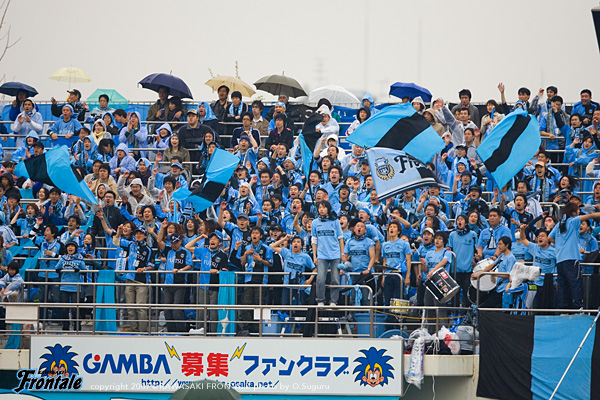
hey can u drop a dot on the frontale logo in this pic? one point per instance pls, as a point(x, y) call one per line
point(58, 372)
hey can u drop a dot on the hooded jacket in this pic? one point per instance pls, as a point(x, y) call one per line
point(36, 124)
point(62, 128)
point(163, 142)
point(123, 190)
point(136, 138)
point(126, 164)
point(97, 137)
point(21, 152)
point(368, 96)
point(439, 128)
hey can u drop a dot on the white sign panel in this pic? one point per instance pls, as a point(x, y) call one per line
point(249, 365)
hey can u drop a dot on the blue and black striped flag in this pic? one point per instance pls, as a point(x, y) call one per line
point(510, 145)
point(399, 127)
point(525, 356)
point(220, 168)
point(54, 168)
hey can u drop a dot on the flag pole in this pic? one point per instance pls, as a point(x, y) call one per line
point(576, 353)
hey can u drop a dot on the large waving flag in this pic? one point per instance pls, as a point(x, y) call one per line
point(395, 171)
point(510, 145)
point(525, 356)
point(54, 168)
point(399, 127)
point(220, 168)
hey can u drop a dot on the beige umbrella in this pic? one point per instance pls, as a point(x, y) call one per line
point(232, 83)
point(70, 75)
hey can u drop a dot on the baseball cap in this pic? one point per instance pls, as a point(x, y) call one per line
point(243, 216)
point(429, 230)
point(141, 229)
point(217, 234)
point(476, 188)
point(177, 164)
point(74, 91)
point(192, 111)
point(276, 227)
point(174, 238)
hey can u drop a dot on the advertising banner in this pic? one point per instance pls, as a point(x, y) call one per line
point(370, 367)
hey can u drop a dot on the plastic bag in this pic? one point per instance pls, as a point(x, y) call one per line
point(450, 339)
point(415, 370)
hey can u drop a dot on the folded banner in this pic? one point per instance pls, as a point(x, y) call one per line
point(399, 127)
point(54, 168)
point(523, 357)
point(218, 173)
point(510, 145)
point(395, 171)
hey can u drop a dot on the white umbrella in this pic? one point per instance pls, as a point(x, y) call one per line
point(335, 94)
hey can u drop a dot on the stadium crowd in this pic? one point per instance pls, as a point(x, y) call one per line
point(328, 228)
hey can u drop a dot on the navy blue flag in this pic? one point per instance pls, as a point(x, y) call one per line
point(220, 168)
point(510, 145)
point(399, 127)
point(525, 356)
point(54, 168)
point(394, 172)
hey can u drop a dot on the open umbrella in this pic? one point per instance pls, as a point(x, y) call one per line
point(280, 84)
point(410, 90)
point(232, 83)
point(335, 94)
point(70, 75)
point(13, 88)
point(176, 85)
point(206, 390)
point(113, 96)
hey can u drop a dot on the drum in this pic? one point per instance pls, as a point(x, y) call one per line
point(486, 282)
point(442, 286)
point(399, 305)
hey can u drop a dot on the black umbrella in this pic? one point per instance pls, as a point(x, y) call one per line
point(206, 390)
point(13, 88)
point(280, 84)
point(176, 85)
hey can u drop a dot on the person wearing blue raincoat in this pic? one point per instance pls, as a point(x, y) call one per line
point(122, 161)
point(163, 134)
point(207, 117)
point(368, 102)
point(85, 153)
point(26, 150)
point(134, 135)
point(578, 158)
point(28, 120)
point(66, 126)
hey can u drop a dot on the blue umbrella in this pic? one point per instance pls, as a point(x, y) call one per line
point(13, 88)
point(410, 90)
point(176, 85)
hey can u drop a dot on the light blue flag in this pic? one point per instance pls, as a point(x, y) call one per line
point(220, 168)
point(399, 127)
point(395, 171)
point(510, 145)
point(307, 156)
point(54, 168)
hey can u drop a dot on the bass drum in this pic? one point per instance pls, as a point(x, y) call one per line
point(486, 282)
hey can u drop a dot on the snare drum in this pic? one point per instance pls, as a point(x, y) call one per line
point(486, 282)
point(442, 286)
point(399, 305)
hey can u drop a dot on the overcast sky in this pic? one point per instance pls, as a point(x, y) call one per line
point(359, 44)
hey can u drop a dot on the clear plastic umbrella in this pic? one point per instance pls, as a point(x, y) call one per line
point(335, 94)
